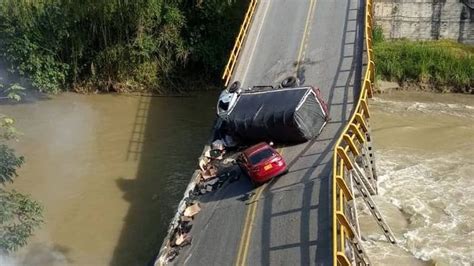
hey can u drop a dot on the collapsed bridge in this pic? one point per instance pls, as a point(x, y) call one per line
point(307, 216)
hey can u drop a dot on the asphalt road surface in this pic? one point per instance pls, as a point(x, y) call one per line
point(287, 221)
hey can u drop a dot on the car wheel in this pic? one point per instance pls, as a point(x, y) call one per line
point(234, 87)
point(290, 82)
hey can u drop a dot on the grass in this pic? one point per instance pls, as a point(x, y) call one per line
point(435, 63)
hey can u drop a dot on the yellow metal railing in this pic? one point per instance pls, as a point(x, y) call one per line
point(347, 147)
point(229, 68)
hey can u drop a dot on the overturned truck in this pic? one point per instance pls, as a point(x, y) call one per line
point(282, 115)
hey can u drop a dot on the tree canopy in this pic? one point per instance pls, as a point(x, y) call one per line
point(118, 44)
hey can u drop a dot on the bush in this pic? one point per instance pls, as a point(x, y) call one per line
point(19, 217)
point(116, 44)
point(438, 63)
point(377, 34)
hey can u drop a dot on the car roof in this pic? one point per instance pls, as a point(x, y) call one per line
point(255, 148)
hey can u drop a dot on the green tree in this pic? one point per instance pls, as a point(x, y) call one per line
point(19, 217)
point(19, 214)
point(118, 44)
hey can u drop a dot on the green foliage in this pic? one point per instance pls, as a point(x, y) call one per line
point(116, 44)
point(9, 162)
point(19, 217)
point(19, 214)
point(377, 34)
point(15, 92)
point(7, 129)
point(208, 32)
point(439, 63)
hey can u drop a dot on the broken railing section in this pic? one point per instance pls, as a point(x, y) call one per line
point(214, 170)
point(356, 167)
point(354, 173)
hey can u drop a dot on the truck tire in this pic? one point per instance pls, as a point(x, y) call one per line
point(234, 87)
point(290, 82)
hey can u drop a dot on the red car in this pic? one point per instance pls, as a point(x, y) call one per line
point(262, 162)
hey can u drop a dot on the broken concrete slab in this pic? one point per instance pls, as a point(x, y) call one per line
point(186, 218)
point(203, 161)
point(183, 240)
point(192, 210)
point(209, 172)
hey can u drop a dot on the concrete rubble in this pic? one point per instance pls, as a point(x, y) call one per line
point(213, 172)
point(192, 210)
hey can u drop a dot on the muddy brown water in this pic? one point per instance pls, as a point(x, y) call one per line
point(110, 171)
point(424, 145)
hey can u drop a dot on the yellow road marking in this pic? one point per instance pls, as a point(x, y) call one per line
point(252, 210)
point(249, 220)
point(309, 18)
point(244, 234)
point(252, 218)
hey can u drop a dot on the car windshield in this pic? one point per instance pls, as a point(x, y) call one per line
point(223, 106)
point(260, 156)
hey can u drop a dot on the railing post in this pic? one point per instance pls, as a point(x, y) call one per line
point(371, 159)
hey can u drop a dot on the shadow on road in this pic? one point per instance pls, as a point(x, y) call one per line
point(313, 181)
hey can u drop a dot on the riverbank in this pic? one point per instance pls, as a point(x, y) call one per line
point(384, 86)
point(434, 66)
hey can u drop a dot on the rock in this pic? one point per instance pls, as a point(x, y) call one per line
point(386, 86)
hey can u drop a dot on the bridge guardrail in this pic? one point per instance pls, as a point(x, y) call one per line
point(234, 55)
point(346, 148)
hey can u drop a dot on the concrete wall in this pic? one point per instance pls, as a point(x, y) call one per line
point(426, 19)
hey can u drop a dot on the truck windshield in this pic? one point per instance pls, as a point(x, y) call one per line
point(260, 156)
point(223, 106)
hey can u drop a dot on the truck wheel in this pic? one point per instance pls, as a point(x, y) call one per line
point(290, 82)
point(234, 87)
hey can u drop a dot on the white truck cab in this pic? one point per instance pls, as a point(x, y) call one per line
point(228, 98)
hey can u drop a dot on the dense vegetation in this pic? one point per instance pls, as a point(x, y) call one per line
point(438, 65)
point(19, 214)
point(157, 45)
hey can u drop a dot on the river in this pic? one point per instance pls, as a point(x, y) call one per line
point(425, 154)
point(110, 171)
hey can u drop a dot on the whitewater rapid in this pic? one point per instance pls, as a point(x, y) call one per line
point(425, 161)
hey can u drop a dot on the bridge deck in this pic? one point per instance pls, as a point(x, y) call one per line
point(287, 221)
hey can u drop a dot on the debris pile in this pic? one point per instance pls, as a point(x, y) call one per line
point(213, 172)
